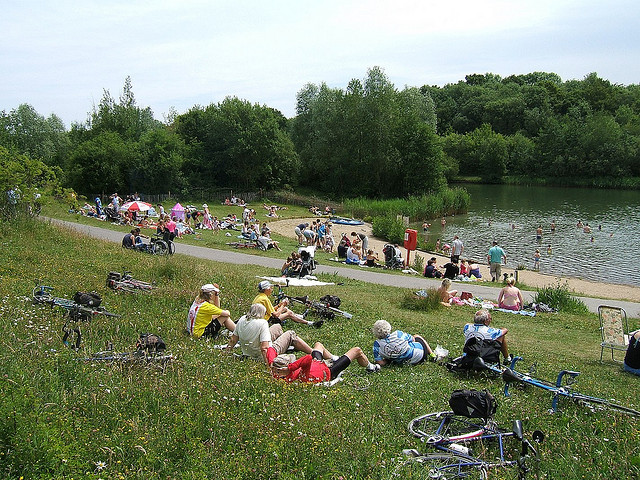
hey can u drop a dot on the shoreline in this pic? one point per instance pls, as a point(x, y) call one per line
point(529, 278)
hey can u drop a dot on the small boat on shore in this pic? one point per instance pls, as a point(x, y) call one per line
point(346, 221)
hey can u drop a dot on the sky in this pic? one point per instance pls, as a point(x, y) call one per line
point(60, 56)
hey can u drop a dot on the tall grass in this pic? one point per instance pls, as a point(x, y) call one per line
point(559, 296)
point(208, 415)
point(445, 202)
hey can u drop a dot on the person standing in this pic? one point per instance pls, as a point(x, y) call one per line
point(457, 248)
point(494, 259)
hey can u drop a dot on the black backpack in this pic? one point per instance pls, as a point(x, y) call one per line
point(473, 403)
point(331, 300)
point(87, 299)
point(488, 350)
point(150, 343)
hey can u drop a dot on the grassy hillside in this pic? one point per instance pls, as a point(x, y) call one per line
point(207, 415)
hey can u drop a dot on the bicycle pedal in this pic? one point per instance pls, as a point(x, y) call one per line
point(410, 452)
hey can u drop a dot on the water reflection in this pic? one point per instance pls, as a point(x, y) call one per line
point(510, 215)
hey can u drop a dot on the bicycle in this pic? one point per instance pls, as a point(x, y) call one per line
point(561, 388)
point(73, 312)
point(323, 310)
point(137, 356)
point(464, 448)
point(124, 282)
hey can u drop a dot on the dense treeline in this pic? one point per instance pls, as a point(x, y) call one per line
point(537, 126)
point(369, 140)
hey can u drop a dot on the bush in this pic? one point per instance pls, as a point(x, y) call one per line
point(418, 263)
point(431, 302)
point(389, 228)
point(560, 297)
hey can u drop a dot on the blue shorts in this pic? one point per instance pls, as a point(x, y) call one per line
point(635, 371)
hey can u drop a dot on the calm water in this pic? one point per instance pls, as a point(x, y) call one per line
point(610, 253)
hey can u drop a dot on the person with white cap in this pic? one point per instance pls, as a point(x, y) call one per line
point(206, 318)
point(280, 312)
point(262, 342)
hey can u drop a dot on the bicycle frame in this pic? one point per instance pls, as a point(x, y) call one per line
point(458, 446)
point(561, 387)
point(321, 309)
point(74, 312)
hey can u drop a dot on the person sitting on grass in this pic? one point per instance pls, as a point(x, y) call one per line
point(263, 343)
point(398, 347)
point(280, 312)
point(312, 368)
point(510, 297)
point(446, 295)
point(206, 318)
point(371, 260)
point(431, 270)
point(354, 257)
point(481, 330)
point(451, 270)
point(632, 357)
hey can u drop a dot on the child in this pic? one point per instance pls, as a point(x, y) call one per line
point(464, 268)
point(536, 260)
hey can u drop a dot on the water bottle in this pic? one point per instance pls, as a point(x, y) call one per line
point(456, 447)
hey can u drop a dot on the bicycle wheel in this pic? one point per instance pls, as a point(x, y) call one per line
point(159, 247)
point(440, 466)
point(434, 427)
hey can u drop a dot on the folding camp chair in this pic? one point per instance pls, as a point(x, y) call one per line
point(614, 329)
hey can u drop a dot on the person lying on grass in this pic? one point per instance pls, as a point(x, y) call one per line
point(398, 347)
point(312, 368)
point(263, 343)
point(280, 312)
point(206, 318)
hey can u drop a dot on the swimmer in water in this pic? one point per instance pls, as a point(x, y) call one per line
point(549, 249)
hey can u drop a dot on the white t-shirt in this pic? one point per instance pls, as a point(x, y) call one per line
point(250, 334)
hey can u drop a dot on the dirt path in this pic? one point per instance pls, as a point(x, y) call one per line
point(530, 278)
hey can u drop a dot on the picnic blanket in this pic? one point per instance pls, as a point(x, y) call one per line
point(307, 281)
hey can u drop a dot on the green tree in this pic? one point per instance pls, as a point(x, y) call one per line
point(98, 165)
point(237, 144)
point(158, 166)
point(33, 135)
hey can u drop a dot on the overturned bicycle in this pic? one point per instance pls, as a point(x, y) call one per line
point(81, 309)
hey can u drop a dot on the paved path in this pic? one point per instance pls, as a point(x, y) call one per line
point(363, 274)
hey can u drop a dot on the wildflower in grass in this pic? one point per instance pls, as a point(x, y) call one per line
point(100, 466)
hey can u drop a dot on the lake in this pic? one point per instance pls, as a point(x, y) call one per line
point(511, 214)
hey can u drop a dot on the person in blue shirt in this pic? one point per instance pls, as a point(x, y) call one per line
point(398, 347)
point(494, 259)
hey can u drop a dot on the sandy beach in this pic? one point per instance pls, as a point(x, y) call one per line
point(528, 277)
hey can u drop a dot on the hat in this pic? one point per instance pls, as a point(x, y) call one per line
point(209, 287)
point(264, 285)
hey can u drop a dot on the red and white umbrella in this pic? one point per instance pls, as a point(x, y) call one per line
point(136, 206)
